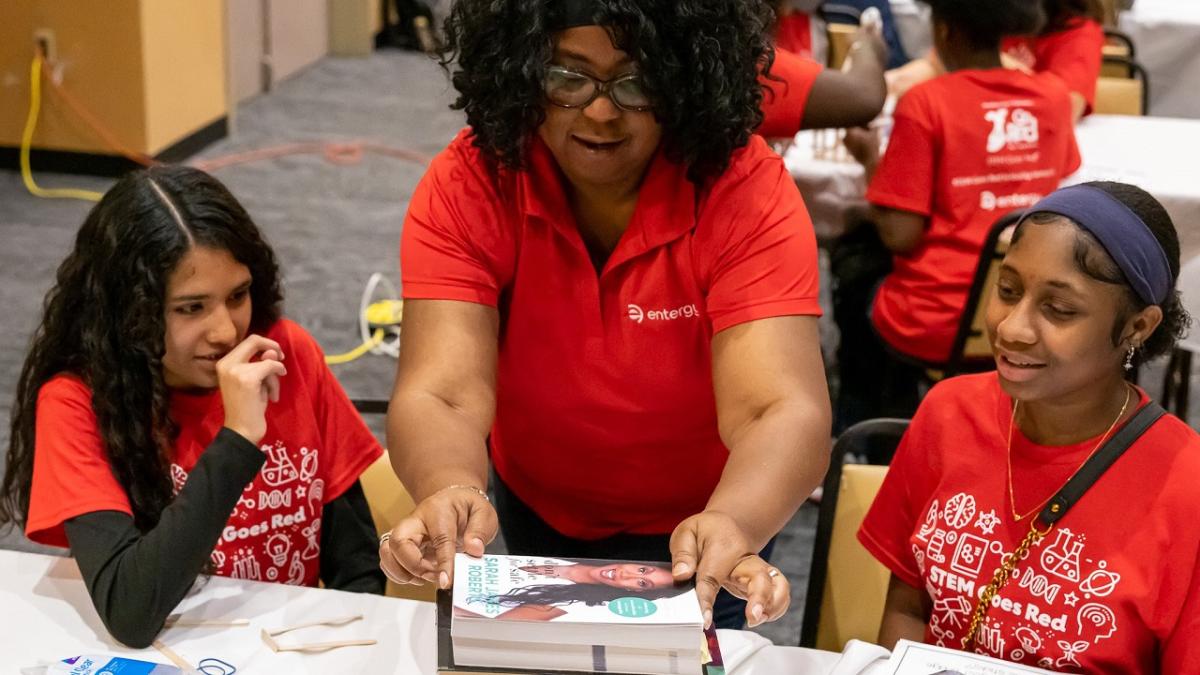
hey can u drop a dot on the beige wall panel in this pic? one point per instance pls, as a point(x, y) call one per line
point(244, 38)
point(298, 35)
point(100, 60)
point(184, 48)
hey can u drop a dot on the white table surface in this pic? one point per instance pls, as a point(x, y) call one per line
point(46, 615)
point(1158, 154)
point(1166, 34)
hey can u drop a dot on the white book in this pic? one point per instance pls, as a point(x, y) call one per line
point(606, 603)
point(583, 658)
point(915, 658)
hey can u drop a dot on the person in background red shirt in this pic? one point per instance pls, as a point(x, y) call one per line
point(168, 422)
point(802, 94)
point(611, 293)
point(1069, 44)
point(793, 29)
point(1086, 291)
point(966, 148)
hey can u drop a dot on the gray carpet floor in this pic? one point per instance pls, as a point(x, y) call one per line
point(331, 225)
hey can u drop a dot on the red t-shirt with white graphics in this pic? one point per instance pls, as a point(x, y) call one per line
point(1073, 54)
point(1113, 588)
point(316, 446)
point(966, 148)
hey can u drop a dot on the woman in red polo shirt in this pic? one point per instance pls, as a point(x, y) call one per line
point(966, 148)
point(1112, 585)
point(611, 284)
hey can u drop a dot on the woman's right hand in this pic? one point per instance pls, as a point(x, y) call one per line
point(247, 385)
point(422, 546)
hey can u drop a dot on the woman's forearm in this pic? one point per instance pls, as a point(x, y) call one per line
point(775, 462)
point(434, 444)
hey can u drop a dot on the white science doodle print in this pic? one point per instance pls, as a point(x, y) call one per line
point(274, 531)
point(1053, 609)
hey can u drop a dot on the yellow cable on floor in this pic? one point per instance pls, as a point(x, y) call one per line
point(35, 105)
point(339, 359)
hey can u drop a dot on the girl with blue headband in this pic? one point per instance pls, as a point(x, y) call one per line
point(1043, 513)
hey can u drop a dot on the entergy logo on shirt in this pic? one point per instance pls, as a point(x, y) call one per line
point(638, 315)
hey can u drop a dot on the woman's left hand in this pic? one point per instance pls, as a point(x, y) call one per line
point(712, 546)
point(764, 588)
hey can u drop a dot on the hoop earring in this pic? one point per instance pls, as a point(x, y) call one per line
point(1129, 357)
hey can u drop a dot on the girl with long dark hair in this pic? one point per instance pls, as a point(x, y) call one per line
point(169, 422)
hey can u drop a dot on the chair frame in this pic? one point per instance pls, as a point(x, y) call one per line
point(370, 406)
point(958, 363)
point(858, 435)
point(1136, 72)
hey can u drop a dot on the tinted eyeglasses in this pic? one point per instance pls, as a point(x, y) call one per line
point(568, 88)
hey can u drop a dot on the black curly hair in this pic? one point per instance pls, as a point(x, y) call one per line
point(1060, 13)
point(104, 321)
point(700, 59)
point(984, 24)
point(1092, 260)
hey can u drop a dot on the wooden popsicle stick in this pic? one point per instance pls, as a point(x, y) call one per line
point(339, 621)
point(180, 622)
point(173, 657)
point(314, 647)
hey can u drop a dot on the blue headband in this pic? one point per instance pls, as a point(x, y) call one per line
point(1120, 231)
point(566, 14)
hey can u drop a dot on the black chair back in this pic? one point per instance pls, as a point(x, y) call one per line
point(876, 441)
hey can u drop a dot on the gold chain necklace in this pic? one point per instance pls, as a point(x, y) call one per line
point(1012, 500)
point(1009, 562)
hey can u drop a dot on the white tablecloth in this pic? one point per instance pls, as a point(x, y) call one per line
point(46, 615)
point(1160, 155)
point(1166, 34)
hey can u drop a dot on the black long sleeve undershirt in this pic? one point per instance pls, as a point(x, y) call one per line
point(136, 579)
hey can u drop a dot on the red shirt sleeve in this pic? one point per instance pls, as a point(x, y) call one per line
point(904, 178)
point(71, 473)
point(452, 233)
point(1180, 651)
point(897, 510)
point(783, 102)
point(348, 446)
point(764, 251)
point(1074, 55)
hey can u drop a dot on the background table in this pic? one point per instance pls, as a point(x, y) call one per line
point(46, 614)
point(1166, 34)
point(1160, 155)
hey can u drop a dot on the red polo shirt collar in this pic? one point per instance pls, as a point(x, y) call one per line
point(655, 221)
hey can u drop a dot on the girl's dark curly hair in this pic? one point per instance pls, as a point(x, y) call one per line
point(700, 59)
point(1092, 260)
point(104, 321)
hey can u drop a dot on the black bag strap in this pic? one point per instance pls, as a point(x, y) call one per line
point(1098, 463)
